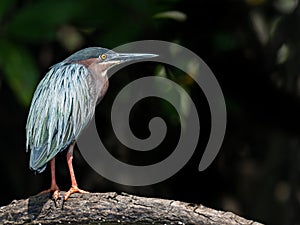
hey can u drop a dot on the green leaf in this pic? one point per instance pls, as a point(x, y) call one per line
point(40, 20)
point(20, 70)
point(175, 15)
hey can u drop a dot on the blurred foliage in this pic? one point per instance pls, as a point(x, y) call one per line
point(20, 70)
point(176, 15)
point(253, 48)
point(66, 22)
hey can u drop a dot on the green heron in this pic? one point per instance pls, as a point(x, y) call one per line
point(63, 104)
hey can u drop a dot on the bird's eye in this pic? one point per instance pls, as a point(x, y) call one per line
point(103, 56)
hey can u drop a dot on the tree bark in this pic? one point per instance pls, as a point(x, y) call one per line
point(112, 208)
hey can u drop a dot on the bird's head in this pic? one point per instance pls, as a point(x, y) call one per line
point(103, 59)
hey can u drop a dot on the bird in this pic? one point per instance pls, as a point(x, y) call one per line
point(63, 104)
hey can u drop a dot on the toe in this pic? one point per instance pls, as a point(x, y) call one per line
point(82, 191)
point(54, 190)
point(67, 195)
point(55, 194)
point(74, 189)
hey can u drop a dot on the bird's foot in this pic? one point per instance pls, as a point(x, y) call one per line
point(54, 190)
point(74, 189)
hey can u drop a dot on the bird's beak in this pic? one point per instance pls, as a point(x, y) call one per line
point(126, 57)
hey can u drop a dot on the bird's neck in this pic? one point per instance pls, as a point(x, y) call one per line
point(100, 79)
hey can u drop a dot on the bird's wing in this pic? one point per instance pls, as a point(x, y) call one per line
point(62, 105)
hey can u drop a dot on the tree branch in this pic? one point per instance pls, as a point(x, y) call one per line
point(113, 208)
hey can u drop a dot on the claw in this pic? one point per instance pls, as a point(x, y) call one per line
point(54, 190)
point(55, 195)
point(74, 189)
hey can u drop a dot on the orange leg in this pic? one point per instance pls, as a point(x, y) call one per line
point(54, 188)
point(74, 188)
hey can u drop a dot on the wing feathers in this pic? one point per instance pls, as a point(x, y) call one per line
point(61, 107)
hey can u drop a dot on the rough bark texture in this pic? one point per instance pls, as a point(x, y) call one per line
point(112, 208)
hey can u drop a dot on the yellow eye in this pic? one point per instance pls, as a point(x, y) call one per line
point(103, 56)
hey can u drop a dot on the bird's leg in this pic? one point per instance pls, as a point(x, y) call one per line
point(54, 188)
point(74, 188)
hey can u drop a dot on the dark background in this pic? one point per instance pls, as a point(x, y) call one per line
point(252, 46)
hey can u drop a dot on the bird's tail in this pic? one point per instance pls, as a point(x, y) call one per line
point(38, 159)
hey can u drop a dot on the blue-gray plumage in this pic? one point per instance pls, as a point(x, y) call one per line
point(63, 104)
